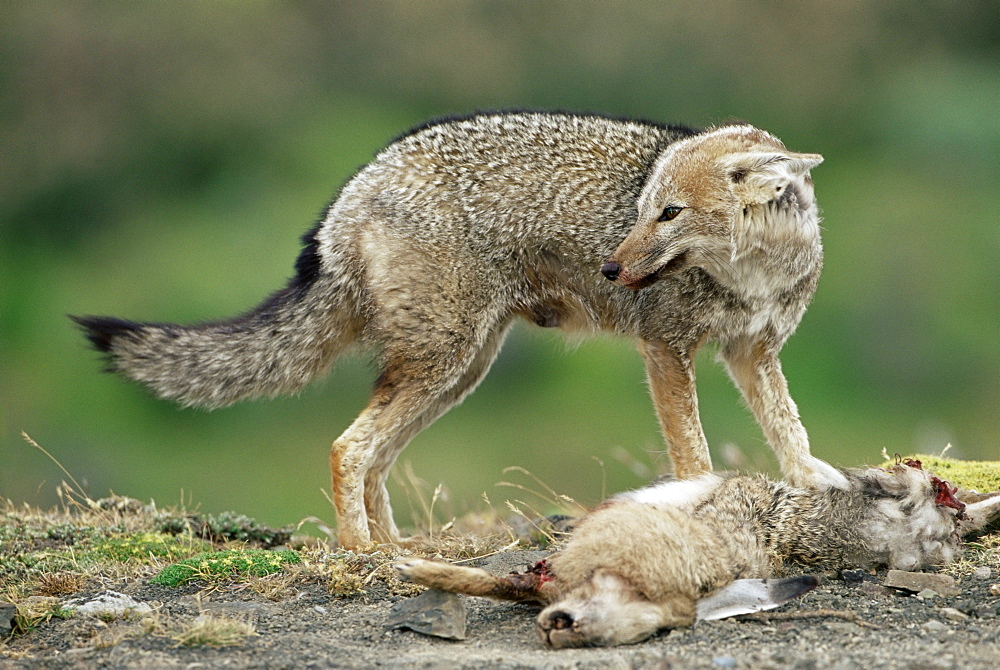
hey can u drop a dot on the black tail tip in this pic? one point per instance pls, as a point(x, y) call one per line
point(103, 330)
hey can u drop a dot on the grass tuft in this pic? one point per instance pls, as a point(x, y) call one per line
point(33, 611)
point(227, 565)
point(212, 631)
point(59, 583)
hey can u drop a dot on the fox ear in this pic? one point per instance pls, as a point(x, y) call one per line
point(761, 176)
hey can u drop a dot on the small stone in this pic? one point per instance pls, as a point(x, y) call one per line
point(319, 609)
point(724, 662)
point(7, 613)
point(953, 614)
point(928, 594)
point(982, 572)
point(964, 606)
point(433, 612)
point(843, 627)
point(235, 608)
point(875, 590)
point(857, 577)
point(986, 611)
point(995, 589)
point(915, 582)
point(934, 626)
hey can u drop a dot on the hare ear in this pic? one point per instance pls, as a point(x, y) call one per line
point(761, 176)
point(745, 596)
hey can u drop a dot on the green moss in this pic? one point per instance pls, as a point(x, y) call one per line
point(146, 547)
point(981, 476)
point(226, 565)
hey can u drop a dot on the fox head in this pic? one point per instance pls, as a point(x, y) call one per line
point(608, 610)
point(711, 197)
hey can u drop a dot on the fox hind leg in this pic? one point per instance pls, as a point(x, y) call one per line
point(413, 390)
point(376, 497)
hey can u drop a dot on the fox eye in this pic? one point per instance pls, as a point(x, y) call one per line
point(670, 213)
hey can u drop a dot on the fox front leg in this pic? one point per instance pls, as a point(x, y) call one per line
point(672, 385)
point(756, 370)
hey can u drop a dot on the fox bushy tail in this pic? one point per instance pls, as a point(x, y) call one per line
point(275, 348)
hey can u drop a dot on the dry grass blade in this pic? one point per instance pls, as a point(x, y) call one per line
point(509, 547)
point(79, 489)
point(549, 495)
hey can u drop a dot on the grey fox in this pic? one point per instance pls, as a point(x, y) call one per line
point(458, 227)
point(707, 548)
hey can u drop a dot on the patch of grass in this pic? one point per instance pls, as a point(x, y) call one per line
point(146, 547)
point(981, 476)
point(345, 573)
point(109, 538)
point(98, 554)
point(34, 611)
point(276, 586)
point(984, 550)
point(213, 631)
point(227, 565)
point(59, 583)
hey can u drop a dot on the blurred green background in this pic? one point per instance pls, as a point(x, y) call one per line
point(160, 160)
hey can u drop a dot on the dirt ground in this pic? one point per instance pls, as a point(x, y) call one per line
point(844, 624)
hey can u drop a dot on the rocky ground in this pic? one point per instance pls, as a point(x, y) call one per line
point(846, 623)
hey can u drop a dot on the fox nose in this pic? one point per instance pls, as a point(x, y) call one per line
point(611, 270)
point(560, 620)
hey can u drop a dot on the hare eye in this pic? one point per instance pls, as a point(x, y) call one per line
point(670, 213)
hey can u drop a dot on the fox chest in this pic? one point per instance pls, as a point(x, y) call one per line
point(699, 305)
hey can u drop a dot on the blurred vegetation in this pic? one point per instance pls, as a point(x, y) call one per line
point(158, 161)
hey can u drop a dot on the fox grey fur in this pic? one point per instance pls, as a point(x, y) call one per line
point(457, 228)
point(662, 556)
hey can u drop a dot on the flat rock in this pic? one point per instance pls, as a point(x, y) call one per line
point(109, 603)
point(916, 582)
point(433, 612)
